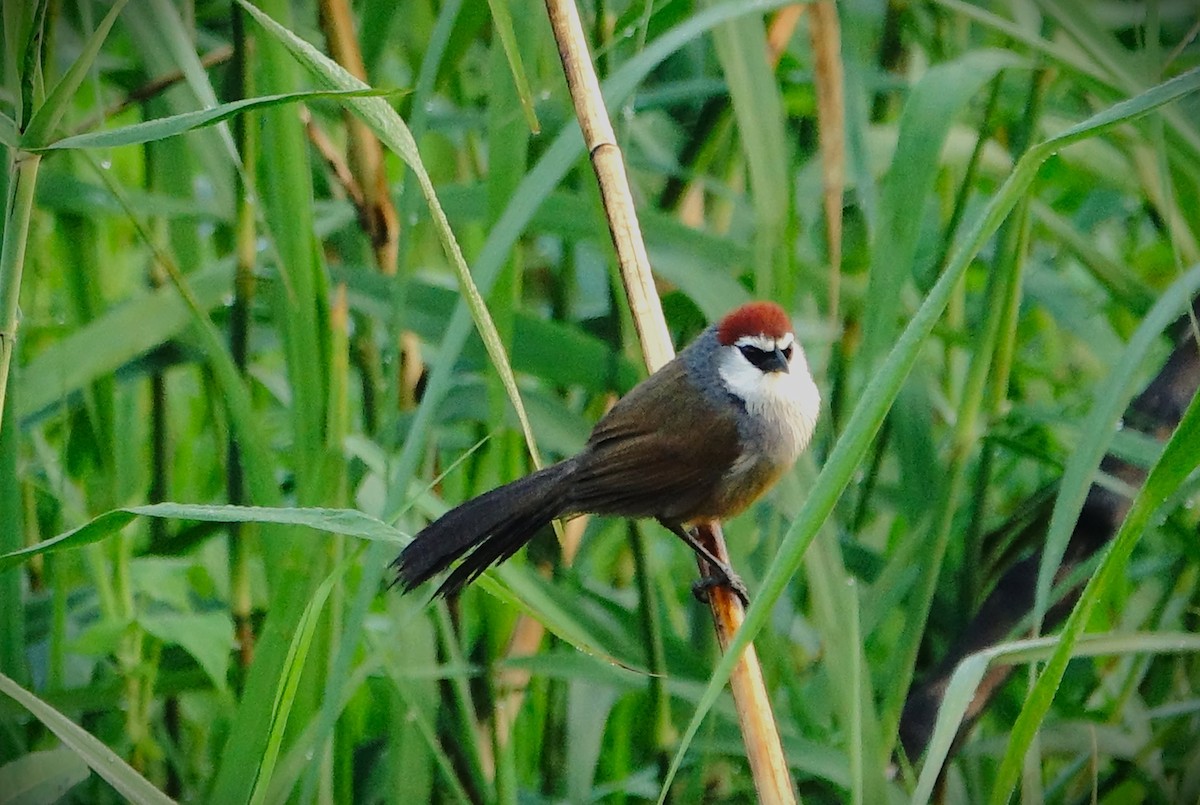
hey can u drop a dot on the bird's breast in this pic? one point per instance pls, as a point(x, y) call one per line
point(777, 426)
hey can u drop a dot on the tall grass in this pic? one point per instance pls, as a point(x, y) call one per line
point(1049, 148)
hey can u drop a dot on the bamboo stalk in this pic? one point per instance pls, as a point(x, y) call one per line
point(242, 535)
point(761, 736)
point(614, 184)
point(23, 171)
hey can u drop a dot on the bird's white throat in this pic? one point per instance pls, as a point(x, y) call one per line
point(784, 404)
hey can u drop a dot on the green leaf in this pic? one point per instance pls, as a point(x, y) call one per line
point(41, 778)
point(45, 119)
point(334, 521)
point(102, 760)
point(928, 114)
point(115, 339)
point(289, 682)
point(162, 128)
point(9, 135)
point(91, 531)
point(503, 25)
point(207, 636)
point(348, 522)
point(566, 615)
point(100, 638)
point(741, 46)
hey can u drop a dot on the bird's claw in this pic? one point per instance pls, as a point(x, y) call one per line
point(721, 578)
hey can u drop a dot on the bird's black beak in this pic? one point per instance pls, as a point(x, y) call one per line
point(776, 362)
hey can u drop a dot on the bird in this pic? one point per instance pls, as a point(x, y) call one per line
point(700, 439)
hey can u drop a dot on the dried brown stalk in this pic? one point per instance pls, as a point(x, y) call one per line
point(826, 38)
point(759, 731)
point(329, 152)
point(376, 212)
point(780, 30)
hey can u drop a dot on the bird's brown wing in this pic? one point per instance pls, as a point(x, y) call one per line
point(658, 453)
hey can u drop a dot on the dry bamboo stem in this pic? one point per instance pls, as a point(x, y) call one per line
point(761, 736)
point(614, 184)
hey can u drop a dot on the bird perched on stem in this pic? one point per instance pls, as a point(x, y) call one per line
point(700, 439)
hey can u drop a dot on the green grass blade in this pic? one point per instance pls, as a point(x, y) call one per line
point(877, 398)
point(347, 522)
point(924, 125)
point(503, 25)
point(289, 682)
point(836, 609)
point(18, 21)
point(166, 43)
point(1129, 109)
point(42, 778)
point(1030, 39)
point(428, 734)
point(174, 125)
point(564, 615)
point(13, 613)
point(9, 135)
point(102, 760)
point(45, 119)
point(741, 47)
point(86, 534)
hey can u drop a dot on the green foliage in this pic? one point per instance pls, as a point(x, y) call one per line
point(194, 594)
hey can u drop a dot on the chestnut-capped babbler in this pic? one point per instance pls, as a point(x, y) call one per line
point(700, 439)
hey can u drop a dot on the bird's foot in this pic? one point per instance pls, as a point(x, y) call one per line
point(722, 577)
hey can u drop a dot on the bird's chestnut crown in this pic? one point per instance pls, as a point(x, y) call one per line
point(765, 319)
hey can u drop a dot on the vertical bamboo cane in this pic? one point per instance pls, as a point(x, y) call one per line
point(18, 212)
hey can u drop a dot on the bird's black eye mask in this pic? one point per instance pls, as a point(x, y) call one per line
point(775, 360)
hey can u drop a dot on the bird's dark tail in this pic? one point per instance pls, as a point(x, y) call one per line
point(485, 530)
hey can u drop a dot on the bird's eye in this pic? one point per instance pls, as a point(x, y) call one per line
point(787, 352)
point(756, 356)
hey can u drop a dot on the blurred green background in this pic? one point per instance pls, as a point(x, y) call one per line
point(259, 306)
